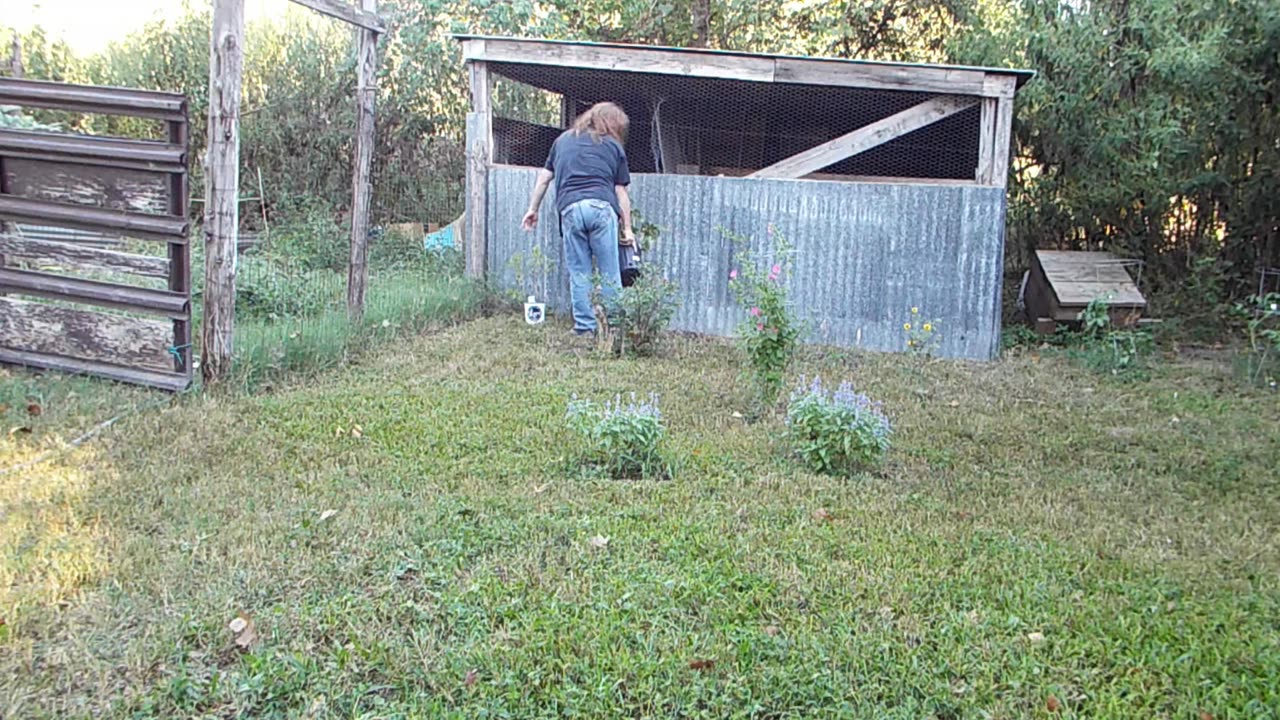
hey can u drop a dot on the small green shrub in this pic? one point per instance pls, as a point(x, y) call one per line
point(836, 433)
point(271, 292)
point(1260, 363)
point(624, 440)
point(1104, 349)
point(640, 313)
point(770, 333)
point(1018, 336)
point(308, 237)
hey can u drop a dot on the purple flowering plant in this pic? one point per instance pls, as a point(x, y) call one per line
point(624, 437)
point(836, 432)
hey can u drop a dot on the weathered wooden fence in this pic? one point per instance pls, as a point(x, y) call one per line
point(96, 301)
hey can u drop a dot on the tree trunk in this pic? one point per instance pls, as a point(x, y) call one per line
point(15, 57)
point(701, 22)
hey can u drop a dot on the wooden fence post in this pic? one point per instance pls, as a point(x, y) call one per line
point(479, 143)
point(222, 189)
point(362, 186)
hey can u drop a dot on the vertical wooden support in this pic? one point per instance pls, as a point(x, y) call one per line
point(995, 130)
point(479, 144)
point(1002, 142)
point(986, 141)
point(362, 186)
point(222, 184)
point(180, 253)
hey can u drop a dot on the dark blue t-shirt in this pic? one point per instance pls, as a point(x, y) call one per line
point(587, 170)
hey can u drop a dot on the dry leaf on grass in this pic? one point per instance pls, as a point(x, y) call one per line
point(34, 410)
point(20, 430)
point(327, 514)
point(701, 665)
point(539, 489)
point(357, 431)
point(243, 632)
point(472, 677)
point(821, 515)
point(1035, 638)
point(1053, 704)
point(1206, 715)
point(599, 541)
point(771, 630)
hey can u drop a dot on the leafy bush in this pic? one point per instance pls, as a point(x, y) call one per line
point(770, 333)
point(641, 312)
point(836, 433)
point(1261, 360)
point(624, 440)
point(309, 237)
point(1102, 348)
point(12, 118)
point(267, 290)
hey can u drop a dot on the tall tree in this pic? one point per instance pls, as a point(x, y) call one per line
point(701, 22)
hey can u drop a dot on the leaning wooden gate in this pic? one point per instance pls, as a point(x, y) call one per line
point(95, 269)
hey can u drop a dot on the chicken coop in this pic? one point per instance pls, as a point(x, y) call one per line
point(886, 179)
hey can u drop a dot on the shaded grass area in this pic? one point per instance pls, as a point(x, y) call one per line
point(399, 304)
point(1038, 532)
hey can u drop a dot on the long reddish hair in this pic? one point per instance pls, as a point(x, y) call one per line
point(603, 119)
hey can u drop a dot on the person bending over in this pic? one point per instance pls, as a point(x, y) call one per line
point(589, 167)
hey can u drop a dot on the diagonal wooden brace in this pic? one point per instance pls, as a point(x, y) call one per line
point(865, 138)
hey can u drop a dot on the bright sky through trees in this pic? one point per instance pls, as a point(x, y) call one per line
point(88, 25)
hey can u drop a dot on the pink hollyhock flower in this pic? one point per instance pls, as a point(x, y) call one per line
point(755, 311)
point(733, 274)
point(760, 326)
point(777, 270)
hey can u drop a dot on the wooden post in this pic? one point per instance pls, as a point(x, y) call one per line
point(986, 141)
point(222, 188)
point(479, 133)
point(362, 188)
point(1002, 144)
point(996, 127)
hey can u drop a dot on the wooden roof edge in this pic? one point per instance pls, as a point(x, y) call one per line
point(737, 65)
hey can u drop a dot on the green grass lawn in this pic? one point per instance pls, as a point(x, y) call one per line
point(1042, 542)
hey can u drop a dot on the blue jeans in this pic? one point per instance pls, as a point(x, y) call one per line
point(590, 229)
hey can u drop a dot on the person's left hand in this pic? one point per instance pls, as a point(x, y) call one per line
point(530, 221)
point(628, 237)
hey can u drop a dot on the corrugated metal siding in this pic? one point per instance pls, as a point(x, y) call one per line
point(865, 253)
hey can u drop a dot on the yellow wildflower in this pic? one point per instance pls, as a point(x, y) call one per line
point(928, 327)
point(915, 311)
point(906, 326)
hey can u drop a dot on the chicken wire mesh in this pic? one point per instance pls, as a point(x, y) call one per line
point(708, 126)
